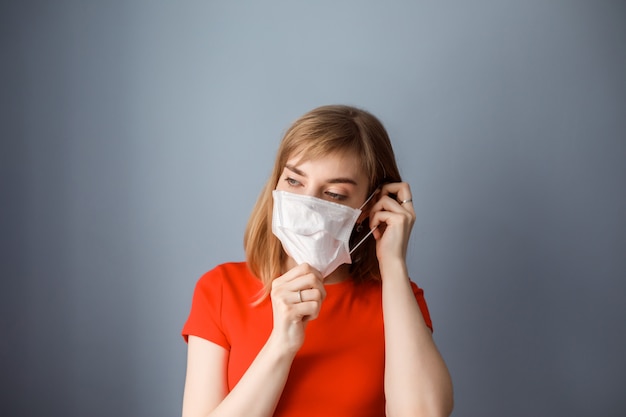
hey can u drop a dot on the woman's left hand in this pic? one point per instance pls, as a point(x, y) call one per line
point(393, 219)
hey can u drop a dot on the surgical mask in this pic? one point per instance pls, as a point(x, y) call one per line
point(315, 231)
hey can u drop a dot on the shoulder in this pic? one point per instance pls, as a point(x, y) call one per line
point(232, 275)
point(225, 271)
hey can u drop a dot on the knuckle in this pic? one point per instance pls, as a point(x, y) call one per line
point(275, 289)
point(316, 294)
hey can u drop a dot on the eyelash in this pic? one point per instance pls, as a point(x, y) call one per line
point(292, 182)
point(334, 196)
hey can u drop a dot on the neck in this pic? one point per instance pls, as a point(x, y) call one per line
point(338, 275)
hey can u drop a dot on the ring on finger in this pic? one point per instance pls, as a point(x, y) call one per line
point(408, 200)
point(300, 295)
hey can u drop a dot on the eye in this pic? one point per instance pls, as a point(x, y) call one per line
point(335, 196)
point(292, 182)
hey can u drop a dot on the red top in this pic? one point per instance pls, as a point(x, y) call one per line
point(339, 369)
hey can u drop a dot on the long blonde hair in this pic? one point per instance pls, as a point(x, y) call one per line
point(322, 131)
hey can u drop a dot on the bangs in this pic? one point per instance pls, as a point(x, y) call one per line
point(312, 145)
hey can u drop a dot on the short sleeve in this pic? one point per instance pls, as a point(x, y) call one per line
point(421, 301)
point(205, 317)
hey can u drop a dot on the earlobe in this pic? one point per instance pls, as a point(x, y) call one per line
point(360, 220)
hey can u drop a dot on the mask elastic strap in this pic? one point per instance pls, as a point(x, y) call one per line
point(368, 199)
point(362, 240)
point(371, 231)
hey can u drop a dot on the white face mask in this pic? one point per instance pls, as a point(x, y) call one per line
point(313, 230)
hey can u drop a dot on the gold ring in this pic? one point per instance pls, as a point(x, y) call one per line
point(408, 200)
point(300, 295)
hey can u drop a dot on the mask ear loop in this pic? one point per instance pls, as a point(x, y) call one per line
point(372, 230)
point(363, 240)
point(369, 198)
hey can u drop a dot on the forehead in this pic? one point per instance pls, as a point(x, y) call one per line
point(344, 164)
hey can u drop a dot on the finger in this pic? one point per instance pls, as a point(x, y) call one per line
point(388, 203)
point(307, 314)
point(311, 294)
point(401, 191)
point(289, 304)
point(297, 272)
point(290, 287)
point(308, 295)
point(309, 308)
point(383, 219)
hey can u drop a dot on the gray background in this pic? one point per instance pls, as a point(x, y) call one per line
point(136, 136)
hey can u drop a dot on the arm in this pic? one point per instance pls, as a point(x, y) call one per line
point(206, 392)
point(257, 393)
point(417, 381)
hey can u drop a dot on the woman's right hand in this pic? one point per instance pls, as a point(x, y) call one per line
point(259, 389)
point(296, 298)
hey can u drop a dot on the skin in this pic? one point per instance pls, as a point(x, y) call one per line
point(417, 381)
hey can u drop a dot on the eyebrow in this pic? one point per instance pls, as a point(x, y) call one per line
point(331, 181)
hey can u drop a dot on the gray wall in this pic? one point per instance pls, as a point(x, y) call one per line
point(137, 134)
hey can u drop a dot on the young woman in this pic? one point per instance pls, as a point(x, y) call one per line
point(322, 319)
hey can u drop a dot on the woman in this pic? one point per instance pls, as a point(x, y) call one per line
point(321, 320)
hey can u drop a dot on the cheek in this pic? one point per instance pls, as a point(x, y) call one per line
point(281, 185)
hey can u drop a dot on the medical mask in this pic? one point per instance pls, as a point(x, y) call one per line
point(315, 231)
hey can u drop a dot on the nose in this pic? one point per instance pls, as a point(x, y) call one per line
point(313, 191)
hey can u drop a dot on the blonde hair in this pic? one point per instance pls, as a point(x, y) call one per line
point(322, 131)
